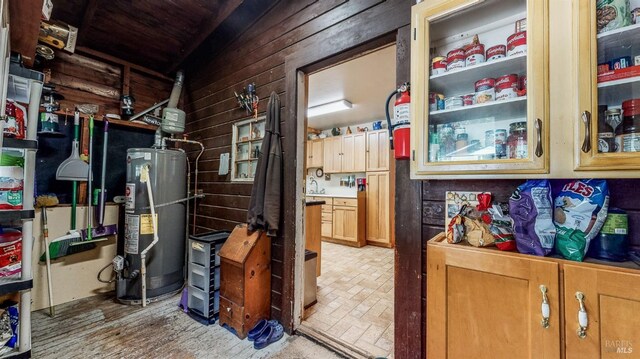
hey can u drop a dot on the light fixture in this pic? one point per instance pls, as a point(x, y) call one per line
point(330, 107)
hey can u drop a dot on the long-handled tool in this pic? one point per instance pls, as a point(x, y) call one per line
point(45, 235)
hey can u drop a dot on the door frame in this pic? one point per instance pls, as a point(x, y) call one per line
point(297, 68)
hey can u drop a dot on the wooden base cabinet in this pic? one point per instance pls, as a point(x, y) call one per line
point(380, 205)
point(612, 308)
point(488, 305)
point(485, 303)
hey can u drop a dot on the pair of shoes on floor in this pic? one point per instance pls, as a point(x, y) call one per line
point(265, 333)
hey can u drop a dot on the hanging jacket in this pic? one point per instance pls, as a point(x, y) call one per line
point(266, 194)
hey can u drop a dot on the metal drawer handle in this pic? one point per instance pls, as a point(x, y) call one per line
point(545, 307)
point(586, 144)
point(539, 150)
point(583, 320)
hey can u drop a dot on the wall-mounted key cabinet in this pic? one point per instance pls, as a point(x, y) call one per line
point(549, 89)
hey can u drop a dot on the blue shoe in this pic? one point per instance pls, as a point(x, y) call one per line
point(260, 328)
point(272, 334)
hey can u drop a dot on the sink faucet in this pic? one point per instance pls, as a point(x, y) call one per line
point(313, 180)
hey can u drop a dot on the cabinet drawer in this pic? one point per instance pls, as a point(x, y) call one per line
point(327, 217)
point(230, 310)
point(327, 208)
point(328, 201)
point(351, 202)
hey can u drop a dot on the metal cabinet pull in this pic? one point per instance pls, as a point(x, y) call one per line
point(586, 144)
point(583, 320)
point(545, 307)
point(539, 150)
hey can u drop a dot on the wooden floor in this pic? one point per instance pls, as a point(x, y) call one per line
point(98, 327)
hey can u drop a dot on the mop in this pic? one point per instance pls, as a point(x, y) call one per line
point(79, 241)
point(72, 169)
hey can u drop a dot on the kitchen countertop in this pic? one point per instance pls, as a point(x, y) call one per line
point(314, 203)
point(331, 195)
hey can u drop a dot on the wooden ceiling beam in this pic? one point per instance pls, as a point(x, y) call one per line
point(225, 9)
point(89, 12)
point(115, 60)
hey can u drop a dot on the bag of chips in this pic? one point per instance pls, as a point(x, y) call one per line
point(580, 211)
point(531, 209)
point(501, 228)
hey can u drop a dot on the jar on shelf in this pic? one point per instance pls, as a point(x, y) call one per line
point(447, 141)
point(613, 117)
point(631, 125)
point(501, 143)
point(462, 143)
point(517, 141)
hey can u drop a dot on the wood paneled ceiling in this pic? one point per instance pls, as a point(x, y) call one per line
point(155, 34)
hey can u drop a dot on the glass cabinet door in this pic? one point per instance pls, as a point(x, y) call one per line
point(608, 35)
point(479, 87)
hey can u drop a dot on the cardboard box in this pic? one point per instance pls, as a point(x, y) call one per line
point(619, 74)
point(58, 35)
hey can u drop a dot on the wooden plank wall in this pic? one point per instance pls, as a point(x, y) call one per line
point(258, 55)
point(81, 79)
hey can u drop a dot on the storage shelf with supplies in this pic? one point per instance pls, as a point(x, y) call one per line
point(460, 82)
point(498, 110)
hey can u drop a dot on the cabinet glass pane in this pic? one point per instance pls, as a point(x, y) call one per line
point(244, 133)
point(242, 152)
point(618, 69)
point(477, 84)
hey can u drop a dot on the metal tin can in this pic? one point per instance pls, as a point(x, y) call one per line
point(506, 87)
point(452, 102)
point(438, 65)
point(474, 55)
point(501, 143)
point(620, 63)
point(522, 85)
point(604, 67)
point(434, 100)
point(521, 25)
point(496, 52)
point(469, 99)
point(485, 90)
point(455, 59)
point(517, 43)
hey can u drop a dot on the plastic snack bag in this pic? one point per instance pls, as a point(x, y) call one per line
point(477, 233)
point(531, 209)
point(455, 230)
point(501, 228)
point(580, 211)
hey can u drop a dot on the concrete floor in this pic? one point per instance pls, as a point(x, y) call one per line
point(355, 299)
point(98, 327)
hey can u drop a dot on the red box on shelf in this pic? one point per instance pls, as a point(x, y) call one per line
point(619, 74)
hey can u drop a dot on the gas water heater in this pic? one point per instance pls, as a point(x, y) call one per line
point(165, 261)
point(151, 260)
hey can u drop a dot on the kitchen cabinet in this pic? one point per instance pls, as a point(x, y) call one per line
point(377, 151)
point(601, 142)
point(315, 153)
point(345, 154)
point(488, 304)
point(611, 306)
point(475, 139)
point(380, 198)
point(343, 220)
point(495, 300)
point(332, 155)
point(353, 153)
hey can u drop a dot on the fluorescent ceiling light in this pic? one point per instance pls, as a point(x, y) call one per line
point(330, 107)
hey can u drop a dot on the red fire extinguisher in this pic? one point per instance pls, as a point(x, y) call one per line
point(399, 130)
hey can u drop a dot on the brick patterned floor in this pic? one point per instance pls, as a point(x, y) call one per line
point(355, 297)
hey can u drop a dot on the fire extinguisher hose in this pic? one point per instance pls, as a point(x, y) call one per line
point(386, 111)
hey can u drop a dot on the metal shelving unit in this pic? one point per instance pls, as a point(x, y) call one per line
point(25, 86)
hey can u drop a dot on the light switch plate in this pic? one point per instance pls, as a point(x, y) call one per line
point(224, 164)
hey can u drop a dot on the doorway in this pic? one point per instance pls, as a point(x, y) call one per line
point(349, 168)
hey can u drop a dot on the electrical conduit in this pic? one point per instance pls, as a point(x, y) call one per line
point(144, 177)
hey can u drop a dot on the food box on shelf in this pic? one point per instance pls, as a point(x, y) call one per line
point(619, 74)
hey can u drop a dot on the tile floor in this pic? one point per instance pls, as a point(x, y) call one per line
point(355, 298)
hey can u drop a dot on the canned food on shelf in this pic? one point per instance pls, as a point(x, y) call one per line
point(474, 55)
point(453, 102)
point(438, 65)
point(485, 90)
point(506, 87)
point(496, 52)
point(455, 59)
point(517, 44)
point(469, 99)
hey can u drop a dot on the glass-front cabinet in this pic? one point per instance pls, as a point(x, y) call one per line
point(608, 67)
point(479, 87)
